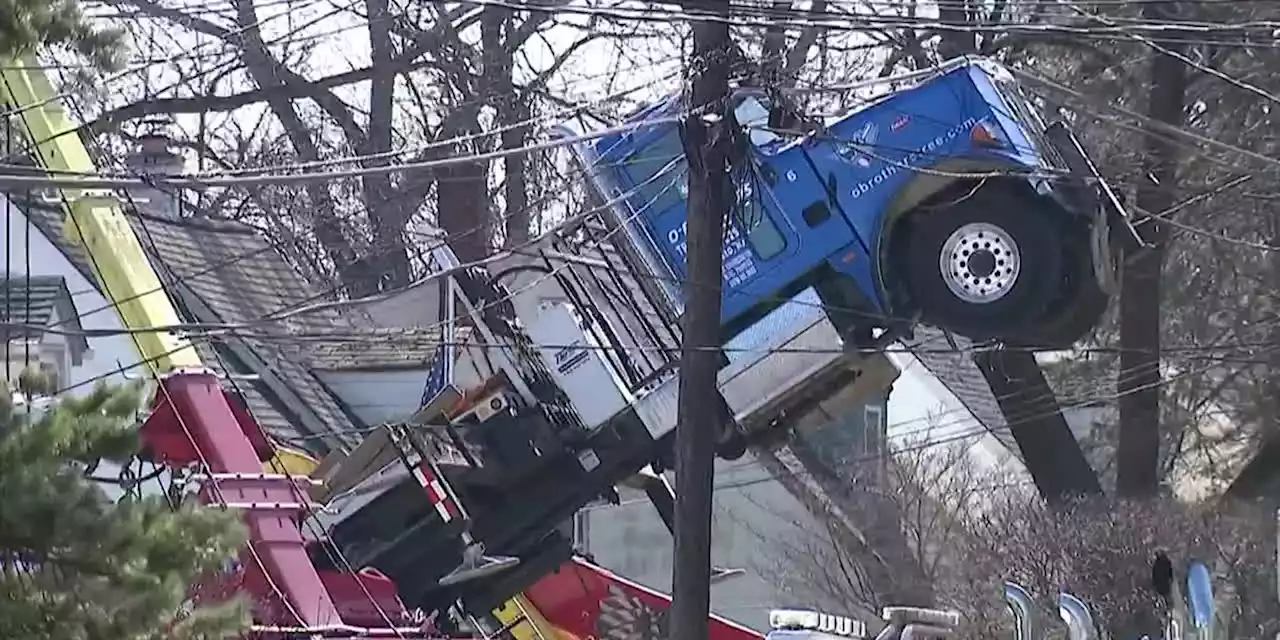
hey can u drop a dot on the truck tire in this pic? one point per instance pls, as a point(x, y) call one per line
point(1078, 311)
point(732, 447)
point(987, 266)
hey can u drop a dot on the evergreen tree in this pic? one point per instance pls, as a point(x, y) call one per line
point(76, 565)
point(27, 24)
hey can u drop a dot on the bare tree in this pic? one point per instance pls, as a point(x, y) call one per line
point(889, 536)
point(970, 528)
point(439, 81)
point(1102, 551)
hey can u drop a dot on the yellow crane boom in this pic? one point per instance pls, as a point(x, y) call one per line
point(97, 222)
point(191, 422)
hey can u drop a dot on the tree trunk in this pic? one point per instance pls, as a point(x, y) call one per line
point(388, 257)
point(1139, 381)
point(512, 121)
point(461, 191)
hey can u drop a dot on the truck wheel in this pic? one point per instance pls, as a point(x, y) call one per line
point(985, 267)
point(1080, 309)
point(733, 447)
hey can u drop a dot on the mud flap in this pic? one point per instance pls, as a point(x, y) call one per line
point(1113, 234)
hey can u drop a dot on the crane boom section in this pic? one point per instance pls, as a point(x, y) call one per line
point(97, 223)
point(192, 420)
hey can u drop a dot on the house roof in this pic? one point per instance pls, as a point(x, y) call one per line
point(957, 371)
point(37, 301)
point(381, 349)
point(227, 272)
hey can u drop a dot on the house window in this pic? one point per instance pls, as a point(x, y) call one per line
point(582, 530)
point(873, 431)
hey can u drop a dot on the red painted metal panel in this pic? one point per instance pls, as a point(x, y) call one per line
point(193, 421)
point(587, 602)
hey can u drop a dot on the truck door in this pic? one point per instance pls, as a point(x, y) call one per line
point(764, 252)
point(655, 175)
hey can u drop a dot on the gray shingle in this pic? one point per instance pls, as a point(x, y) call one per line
point(227, 272)
point(957, 372)
point(37, 300)
point(233, 270)
point(30, 300)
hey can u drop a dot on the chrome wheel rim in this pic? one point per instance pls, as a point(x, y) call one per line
point(980, 263)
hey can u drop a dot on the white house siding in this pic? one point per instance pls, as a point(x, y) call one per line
point(109, 353)
point(750, 509)
point(377, 397)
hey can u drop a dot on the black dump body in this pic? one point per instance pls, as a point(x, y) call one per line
point(528, 484)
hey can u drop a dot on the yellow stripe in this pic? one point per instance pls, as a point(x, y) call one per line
point(96, 221)
point(533, 627)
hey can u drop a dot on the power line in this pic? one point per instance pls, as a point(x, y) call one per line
point(849, 22)
point(982, 430)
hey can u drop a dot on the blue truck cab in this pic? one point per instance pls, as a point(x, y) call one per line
point(950, 202)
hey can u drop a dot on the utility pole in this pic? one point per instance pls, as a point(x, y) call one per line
point(707, 147)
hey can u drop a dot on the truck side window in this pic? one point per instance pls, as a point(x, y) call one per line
point(752, 114)
point(751, 216)
point(653, 189)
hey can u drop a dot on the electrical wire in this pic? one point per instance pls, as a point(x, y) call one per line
point(235, 329)
point(848, 22)
point(9, 113)
point(330, 337)
point(1130, 392)
point(110, 182)
point(982, 431)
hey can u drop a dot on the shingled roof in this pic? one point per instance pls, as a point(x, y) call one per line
point(37, 301)
point(227, 272)
point(957, 371)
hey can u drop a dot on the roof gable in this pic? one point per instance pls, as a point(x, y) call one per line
point(226, 272)
point(39, 301)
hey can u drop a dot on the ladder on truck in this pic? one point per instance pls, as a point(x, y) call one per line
point(561, 389)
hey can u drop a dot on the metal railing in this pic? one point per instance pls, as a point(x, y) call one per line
point(1188, 611)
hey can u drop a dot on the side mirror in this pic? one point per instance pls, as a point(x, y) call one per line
point(1200, 599)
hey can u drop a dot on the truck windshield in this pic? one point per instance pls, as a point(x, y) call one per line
point(1025, 112)
point(657, 183)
